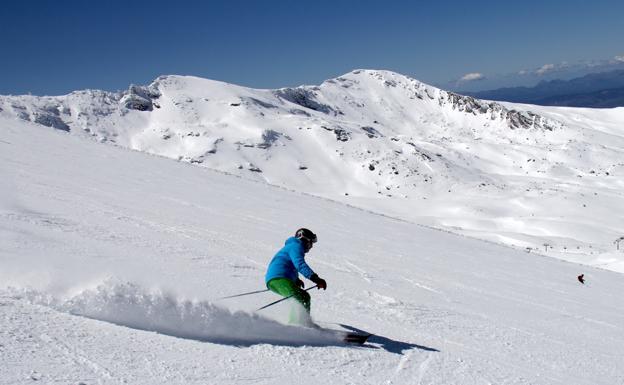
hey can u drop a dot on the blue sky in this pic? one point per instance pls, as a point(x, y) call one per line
point(54, 47)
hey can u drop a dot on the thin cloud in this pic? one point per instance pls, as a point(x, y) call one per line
point(545, 69)
point(527, 76)
point(471, 77)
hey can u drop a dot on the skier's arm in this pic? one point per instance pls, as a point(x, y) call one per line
point(296, 256)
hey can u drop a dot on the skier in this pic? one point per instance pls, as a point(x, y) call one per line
point(282, 276)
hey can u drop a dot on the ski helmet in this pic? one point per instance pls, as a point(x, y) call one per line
point(306, 234)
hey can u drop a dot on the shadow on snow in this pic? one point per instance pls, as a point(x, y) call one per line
point(389, 345)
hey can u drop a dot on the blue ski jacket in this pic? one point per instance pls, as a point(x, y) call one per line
point(288, 262)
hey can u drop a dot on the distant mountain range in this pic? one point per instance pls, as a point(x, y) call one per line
point(597, 90)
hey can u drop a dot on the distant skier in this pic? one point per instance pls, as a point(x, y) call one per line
point(282, 276)
point(581, 278)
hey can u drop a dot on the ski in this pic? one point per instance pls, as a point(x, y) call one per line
point(356, 338)
point(349, 337)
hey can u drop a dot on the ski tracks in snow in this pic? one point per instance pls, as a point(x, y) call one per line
point(47, 339)
point(412, 368)
point(360, 272)
point(424, 287)
point(349, 268)
point(81, 359)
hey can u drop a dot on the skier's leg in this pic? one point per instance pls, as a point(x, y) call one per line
point(300, 312)
point(285, 287)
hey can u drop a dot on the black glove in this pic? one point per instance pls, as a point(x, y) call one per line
point(300, 283)
point(320, 282)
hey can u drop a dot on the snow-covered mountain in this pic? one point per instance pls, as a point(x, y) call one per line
point(539, 178)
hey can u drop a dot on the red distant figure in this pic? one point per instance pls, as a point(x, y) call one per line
point(581, 279)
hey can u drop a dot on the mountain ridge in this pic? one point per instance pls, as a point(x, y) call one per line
point(381, 141)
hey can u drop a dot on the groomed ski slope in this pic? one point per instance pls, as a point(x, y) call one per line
point(111, 261)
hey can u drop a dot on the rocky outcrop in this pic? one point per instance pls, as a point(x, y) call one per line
point(140, 98)
point(306, 98)
point(515, 119)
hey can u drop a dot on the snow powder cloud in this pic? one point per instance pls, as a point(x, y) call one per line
point(130, 305)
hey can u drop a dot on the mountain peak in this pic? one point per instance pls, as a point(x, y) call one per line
point(381, 76)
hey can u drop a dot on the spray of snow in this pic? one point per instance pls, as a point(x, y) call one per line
point(133, 306)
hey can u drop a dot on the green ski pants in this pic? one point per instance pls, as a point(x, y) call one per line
point(285, 287)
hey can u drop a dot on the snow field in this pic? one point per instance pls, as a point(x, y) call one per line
point(102, 247)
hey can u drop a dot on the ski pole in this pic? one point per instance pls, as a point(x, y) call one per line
point(243, 294)
point(284, 299)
